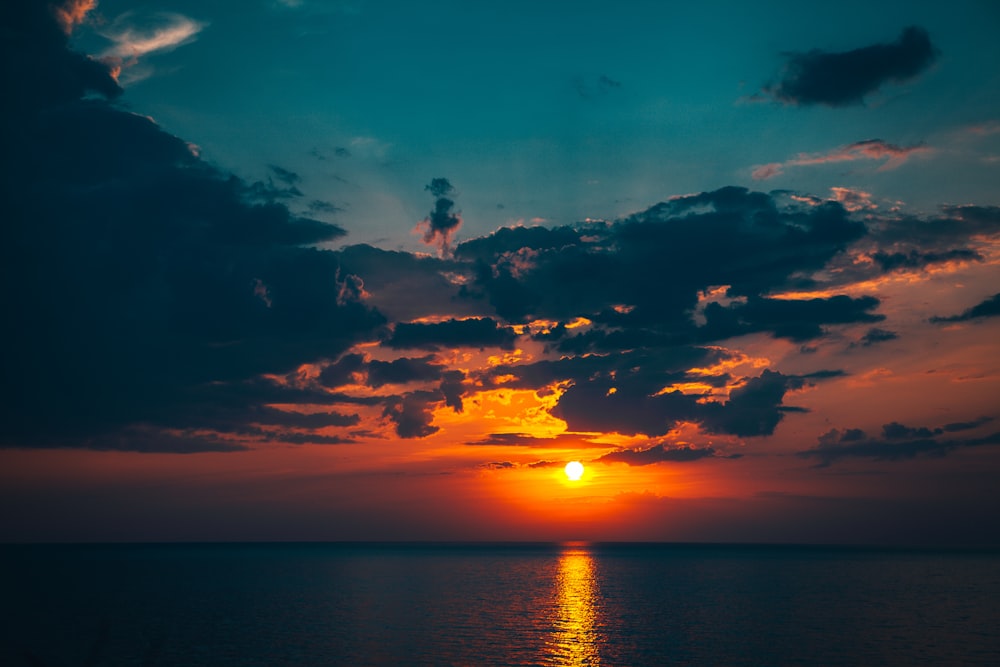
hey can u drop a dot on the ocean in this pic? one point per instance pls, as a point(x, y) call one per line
point(496, 604)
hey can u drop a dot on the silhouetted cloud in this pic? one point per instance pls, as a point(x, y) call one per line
point(527, 440)
point(876, 335)
point(624, 404)
point(915, 259)
point(404, 370)
point(124, 327)
point(896, 442)
point(797, 319)
point(440, 225)
point(844, 78)
point(657, 454)
point(987, 308)
point(412, 413)
point(475, 332)
point(647, 269)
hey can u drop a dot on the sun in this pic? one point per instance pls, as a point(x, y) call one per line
point(574, 470)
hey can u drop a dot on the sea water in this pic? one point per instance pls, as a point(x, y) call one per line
point(496, 604)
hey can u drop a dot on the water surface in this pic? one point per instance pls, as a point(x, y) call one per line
point(498, 604)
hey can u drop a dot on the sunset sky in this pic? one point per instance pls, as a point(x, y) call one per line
point(349, 270)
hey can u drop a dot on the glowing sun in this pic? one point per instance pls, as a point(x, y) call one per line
point(574, 470)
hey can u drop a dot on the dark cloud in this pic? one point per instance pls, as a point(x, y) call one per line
point(526, 440)
point(839, 79)
point(148, 283)
point(412, 413)
point(896, 442)
point(896, 431)
point(987, 308)
point(476, 332)
point(405, 286)
point(876, 335)
point(966, 426)
point(890, 261)
point(344, 371)
point(440, 225)
point(498, 465)
point(658, 454)
point(652, 265)
point(625, 404)
point(546, 464)
point(39, 70)
point(453, 388)
point(796, 319)
point(938, 234)
point(319, 206)
point(284, 175)
point(404, 370)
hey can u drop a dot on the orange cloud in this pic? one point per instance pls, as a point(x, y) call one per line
point(72, 13)
point(870, 149)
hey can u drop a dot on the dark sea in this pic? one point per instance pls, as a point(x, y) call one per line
point(496, 604)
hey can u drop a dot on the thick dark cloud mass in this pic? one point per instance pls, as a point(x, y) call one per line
point(844, 78)
point(988, 308)
point(913, 259)
point(404, 370)
point(140, 280)
point(798, 320)
point(412, 413)
point(653, 264)
point(625, 404)
point(476, 332)
point(896, 442)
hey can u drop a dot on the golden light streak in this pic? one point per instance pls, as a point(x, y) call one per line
point(732, 362)
point(575, 638)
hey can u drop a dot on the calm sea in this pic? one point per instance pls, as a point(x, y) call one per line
point(321, 604)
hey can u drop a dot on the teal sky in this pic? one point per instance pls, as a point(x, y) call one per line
point(535, 111)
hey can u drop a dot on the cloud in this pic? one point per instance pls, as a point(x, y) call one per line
point(439, 227)
point(404, 370)
point(624, 404)
point(840, 79)
point(126, 328)
point(412, 414)
point(869, 149)
point(138, 34)
point(658, 454)
point(988, 308)
point(653, 264)
point(914, 259)
point(875, 335)
point(71, 13)
point(39, 68)
point(798, 320)
point(897, 442)
point(527, 440)
point(475, 332)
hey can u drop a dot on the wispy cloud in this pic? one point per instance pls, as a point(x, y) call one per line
point(134, 36)
point(869, 149)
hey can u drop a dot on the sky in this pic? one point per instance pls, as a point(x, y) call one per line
point(348, 270)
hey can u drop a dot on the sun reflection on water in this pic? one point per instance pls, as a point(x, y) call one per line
point(575, 627)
